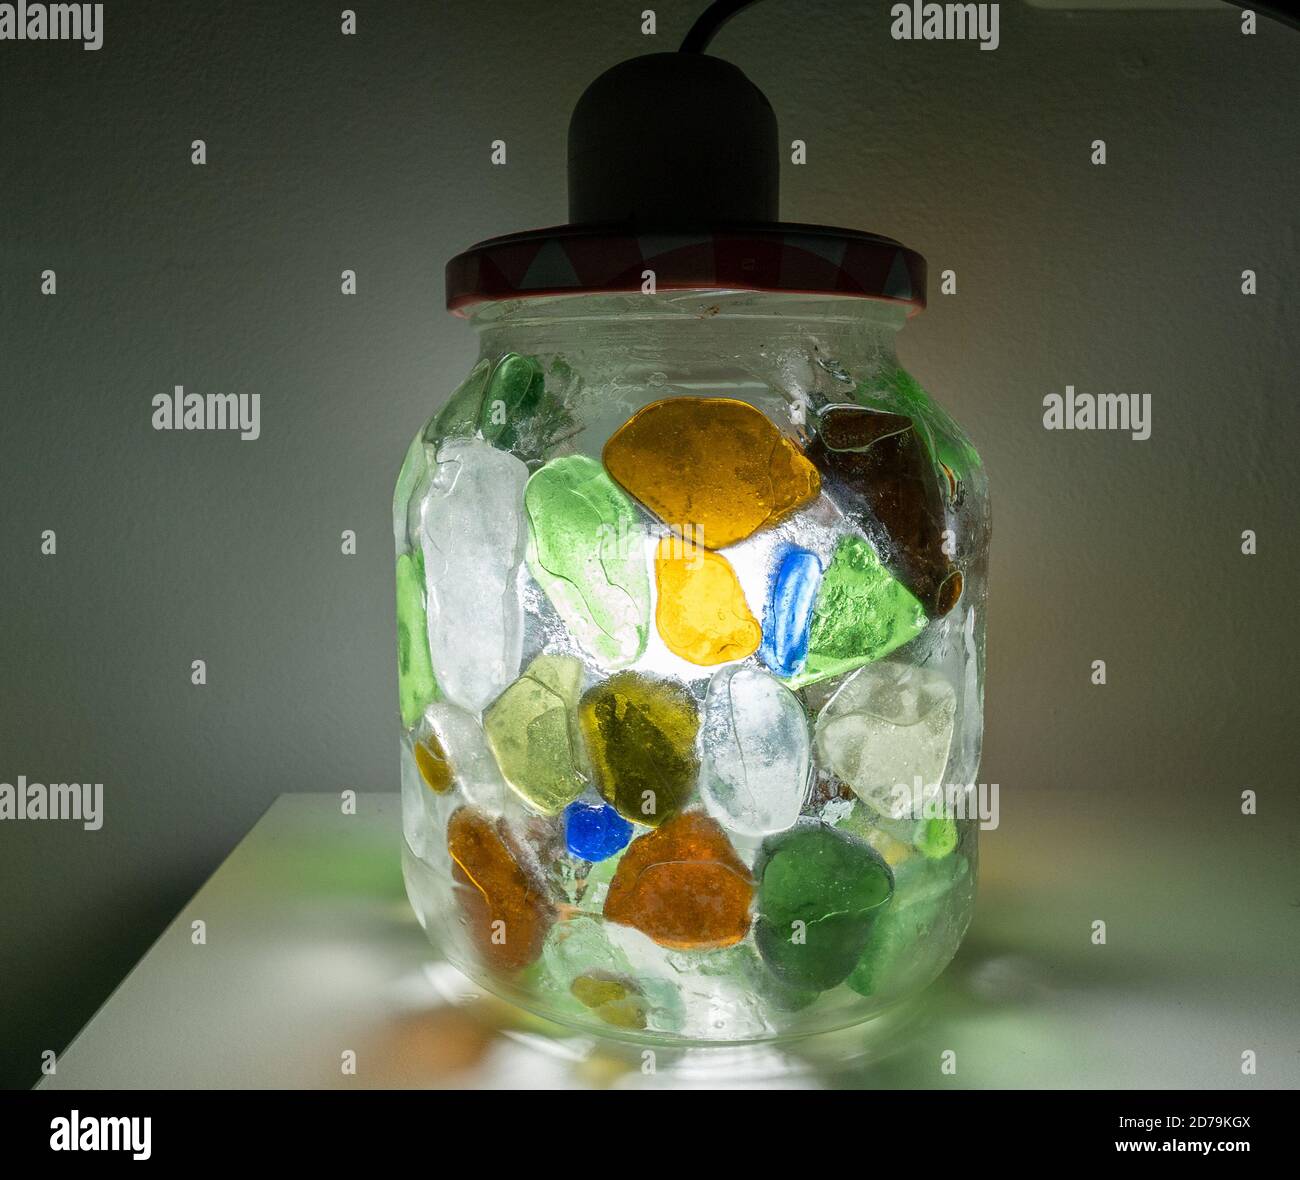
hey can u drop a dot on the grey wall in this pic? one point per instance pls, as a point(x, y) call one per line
point(371, 153)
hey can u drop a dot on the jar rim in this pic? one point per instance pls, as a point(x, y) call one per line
point(778, 257)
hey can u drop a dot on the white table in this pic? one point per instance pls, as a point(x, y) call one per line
point(312, 952)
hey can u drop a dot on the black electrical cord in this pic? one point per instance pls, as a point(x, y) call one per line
point(711, 20)
point(721, 11)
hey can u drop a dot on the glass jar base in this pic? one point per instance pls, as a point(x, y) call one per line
point(712, 1011)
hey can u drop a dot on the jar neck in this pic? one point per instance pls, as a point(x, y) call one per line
point(679, 326)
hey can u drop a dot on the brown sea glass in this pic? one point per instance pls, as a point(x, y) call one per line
point(505, 911)
point(683, 886)
point(881, 459)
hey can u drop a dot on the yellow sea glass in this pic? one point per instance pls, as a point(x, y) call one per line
point(713, 469)
point(433, 764)
point(702, 615)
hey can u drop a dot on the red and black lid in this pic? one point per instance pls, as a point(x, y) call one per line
point(674, 168)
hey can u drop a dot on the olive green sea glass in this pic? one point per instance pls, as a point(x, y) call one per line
point(531, 729)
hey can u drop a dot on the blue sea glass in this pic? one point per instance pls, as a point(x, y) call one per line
point(595, 831)
point(787, 616)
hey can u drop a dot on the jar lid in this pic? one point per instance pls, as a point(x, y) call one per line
point(674, 168)
point(777, 256)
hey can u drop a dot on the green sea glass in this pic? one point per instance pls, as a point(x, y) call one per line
point(914, 935)
point(818, 895)
point(512, 395)
point(460, 416)
point(416, 686)
point(586, 549)
point(862, 613)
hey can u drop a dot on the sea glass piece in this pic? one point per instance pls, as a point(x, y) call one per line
point(459, 417)
point(640, 735)
point(819, 893)
point(433, 764)
point(512, 395)
point(532, 729)
point(617, 1002)
point(582, 944)
point(416, 686)
point(474, 540)
point(935, 837)
point(737, 985)
point(714, 470)
point(918, 931)
point(884, 461)
point(612, 970)
point(896, 389)
point(887, 732)
point(595, 831)
point(891, 838)
point(787, 617)
point(449, 746)
point(756, 752)
point(414, 472)
point(503, 909)
point(595, 885)
point(861, 614)
point(586, 549)
point(701, 614)
point(683, 886)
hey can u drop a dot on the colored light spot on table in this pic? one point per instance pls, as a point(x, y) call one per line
point(683, 886)
point(640, 735)
point(504, 910)
point(714, 470)
point(701, 614)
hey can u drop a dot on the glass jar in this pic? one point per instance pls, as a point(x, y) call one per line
point(691, 644)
